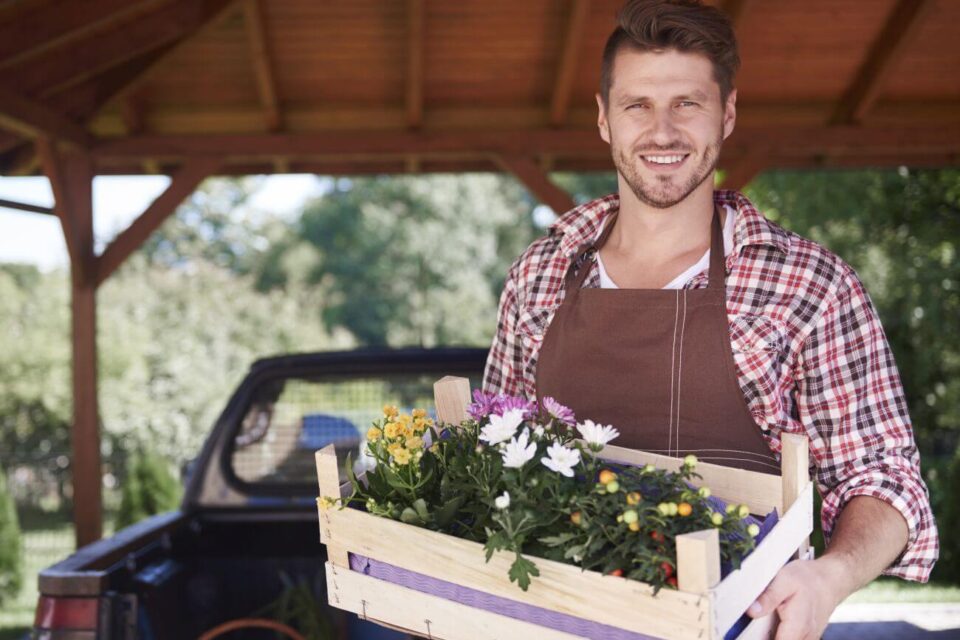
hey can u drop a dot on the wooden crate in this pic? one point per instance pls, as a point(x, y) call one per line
point(704, 607)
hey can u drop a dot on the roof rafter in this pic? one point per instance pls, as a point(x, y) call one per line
point(31, 119)
point(414, 90)
point(58, 24)
point(52, 165)
point(901, 26)
point(51, 73)
point(262, 65)
point(569, 59)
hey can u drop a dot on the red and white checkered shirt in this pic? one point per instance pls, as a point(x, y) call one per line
point(810, 352)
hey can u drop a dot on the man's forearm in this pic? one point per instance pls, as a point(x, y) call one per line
point(869, 535)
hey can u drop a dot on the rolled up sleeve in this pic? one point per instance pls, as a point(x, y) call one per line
point(503, 371)
point(852, 404)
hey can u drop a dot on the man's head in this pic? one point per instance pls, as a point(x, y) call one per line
point(666, 100)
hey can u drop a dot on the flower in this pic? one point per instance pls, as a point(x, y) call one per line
point(561, 459)
point(390, 410)
point(414, 442)
point(518, 452)
point(325, 502)
point(753, 530)
point(502, 428)
point(690, 460)
point(373, 434)
point(489, 404)
point(392, 430)
point(419, 413)
point(597, 435)
point(560, 412)
point(502, 501)
point(606, 476)
point(401, 456)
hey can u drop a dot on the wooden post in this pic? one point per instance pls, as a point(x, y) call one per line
point(452, 397)
point(795, 467)
point(328, 477)
point(698, 560)
point(85, 433)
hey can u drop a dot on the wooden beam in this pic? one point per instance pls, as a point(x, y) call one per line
point(131, 110)
point(184, 182)
point(24, 206)
point(736, 10)
point(901, 27)
point(538, 183)
point(569, 60)
point(20, 161)
point(739, 174)
point(53, 72)
point(55, 25)
point(262, 66)
point(32, 119)
point(53, 168)
point(414, 91)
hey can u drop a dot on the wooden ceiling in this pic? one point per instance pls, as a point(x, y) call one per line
point(374, 86)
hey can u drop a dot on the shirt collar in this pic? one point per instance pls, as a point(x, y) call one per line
point(581, 224)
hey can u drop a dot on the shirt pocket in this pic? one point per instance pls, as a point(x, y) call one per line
point(759, 346)
point(753, 334)
point(532, 326)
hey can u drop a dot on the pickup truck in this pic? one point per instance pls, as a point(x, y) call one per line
point(247, 528)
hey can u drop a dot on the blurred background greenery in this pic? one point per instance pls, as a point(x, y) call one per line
point(396, 261)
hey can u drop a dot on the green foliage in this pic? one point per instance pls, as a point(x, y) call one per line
point(407, 260)
point(11, 555)
point(299, 607)
point(150, 487)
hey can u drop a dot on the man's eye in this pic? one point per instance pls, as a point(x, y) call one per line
point(687, 103)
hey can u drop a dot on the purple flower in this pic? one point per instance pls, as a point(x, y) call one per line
point(486, 404)
point(560, 412)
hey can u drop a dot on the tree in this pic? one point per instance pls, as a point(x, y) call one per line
point(150, 487)
point(11, 552)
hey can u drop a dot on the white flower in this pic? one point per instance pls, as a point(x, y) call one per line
point(597, 435)
point(538, 431)
point(518, 452)
point(561, 459)
point(365, 462)
point(502, 428)
point(502, 502)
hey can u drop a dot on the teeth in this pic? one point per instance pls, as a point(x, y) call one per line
point(664, 159)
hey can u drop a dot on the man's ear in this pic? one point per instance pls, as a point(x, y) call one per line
point(602, 119)
point(729, 114)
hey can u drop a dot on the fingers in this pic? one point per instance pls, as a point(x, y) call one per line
point(776, 593)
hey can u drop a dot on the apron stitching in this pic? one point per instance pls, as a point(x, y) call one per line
point(740, 451)
point(673, 361)
point(683, 327)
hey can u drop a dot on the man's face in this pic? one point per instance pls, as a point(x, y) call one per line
point(665, 123)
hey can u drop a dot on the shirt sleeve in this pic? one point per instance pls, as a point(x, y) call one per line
point(851, 401)
point(503, 372)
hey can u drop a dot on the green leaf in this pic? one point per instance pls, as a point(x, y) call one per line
point(420, 505)
point(410, 516)
point(556, 541)
point(445, 514)
point(521, 570)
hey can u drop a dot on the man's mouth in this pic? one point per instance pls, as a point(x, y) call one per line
point(664, 160)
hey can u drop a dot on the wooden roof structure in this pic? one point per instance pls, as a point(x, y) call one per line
point(193, 88)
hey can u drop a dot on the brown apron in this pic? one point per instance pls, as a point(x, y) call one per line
point(655, 363)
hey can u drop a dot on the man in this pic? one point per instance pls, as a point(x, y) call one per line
point(685, 318)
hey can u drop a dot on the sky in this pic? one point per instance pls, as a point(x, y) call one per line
point(37, 239)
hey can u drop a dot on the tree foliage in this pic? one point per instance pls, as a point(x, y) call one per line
point(11, 553)
point(149, 487)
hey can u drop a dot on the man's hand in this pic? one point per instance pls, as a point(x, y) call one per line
point(804, 594)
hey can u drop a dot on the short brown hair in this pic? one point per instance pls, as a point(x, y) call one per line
point(687, 26)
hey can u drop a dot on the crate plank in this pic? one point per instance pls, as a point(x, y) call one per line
point(698, 560)
point(739, 589)
point(560, 587)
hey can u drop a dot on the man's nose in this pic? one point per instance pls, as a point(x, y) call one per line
point(663, 130)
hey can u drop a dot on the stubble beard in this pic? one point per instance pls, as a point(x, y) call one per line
point(661, 192)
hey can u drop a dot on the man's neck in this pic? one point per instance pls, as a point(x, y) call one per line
point(649, 235)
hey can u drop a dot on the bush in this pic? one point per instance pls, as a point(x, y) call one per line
point(11, 556)
point(149, 488)
point(944, 491)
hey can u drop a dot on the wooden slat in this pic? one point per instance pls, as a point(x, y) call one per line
point(795, 461)
point(30, 118)
point(698, 560)
point(739, 589)
point(529, 174)
point(762, 492)
point(422, 614)
point(262, 64)
point(328, 479)
point(569, 61)
point(560, 587)
point(451, 396)
point(24, 206)
point(414, 89)
point(50, 73)
point(56, 25)
point(902, 25)
point(184, 182)
point(736, 10)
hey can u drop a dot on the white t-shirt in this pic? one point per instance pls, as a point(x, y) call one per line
point(688, 274)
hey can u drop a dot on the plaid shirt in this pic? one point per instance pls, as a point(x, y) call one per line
point(810, 353)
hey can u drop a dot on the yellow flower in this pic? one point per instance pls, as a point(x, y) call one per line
point(392, 430)
point(406, 431)
point(414, 442)
point(402, 456)
point(435, 448)
point(325, 502)
point(419, 413)
point(373, 434)
point(405, 418)
point(390, 411)
point(395, 449)
point(419, 425)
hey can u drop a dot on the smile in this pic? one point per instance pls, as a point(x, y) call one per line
point(665, 160)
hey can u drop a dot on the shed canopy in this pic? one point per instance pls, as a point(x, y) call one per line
point(192, 88)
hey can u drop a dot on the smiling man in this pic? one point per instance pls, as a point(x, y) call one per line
point(685, 318)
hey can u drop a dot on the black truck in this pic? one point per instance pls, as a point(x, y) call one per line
point(245, 539)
